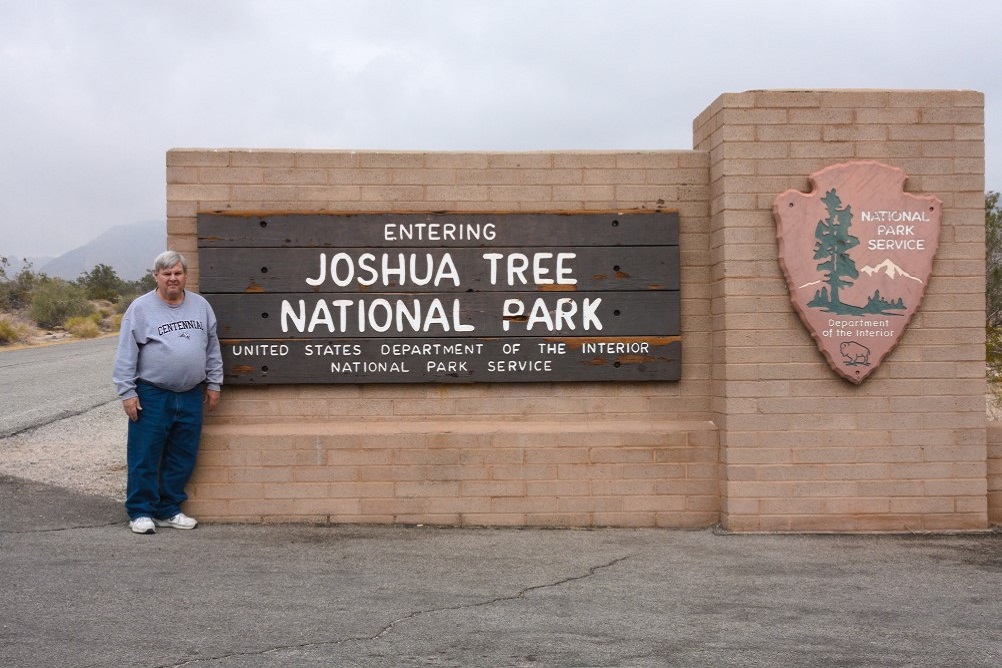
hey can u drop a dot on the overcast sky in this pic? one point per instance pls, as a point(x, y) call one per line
point(95, 92)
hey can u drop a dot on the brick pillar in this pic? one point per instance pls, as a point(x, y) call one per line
point(802, 449)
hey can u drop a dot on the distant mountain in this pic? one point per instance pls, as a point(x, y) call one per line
point(128, 249)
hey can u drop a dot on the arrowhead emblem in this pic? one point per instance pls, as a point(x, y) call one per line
point(857, 254)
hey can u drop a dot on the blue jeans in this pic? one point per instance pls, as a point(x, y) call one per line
point(162, 447)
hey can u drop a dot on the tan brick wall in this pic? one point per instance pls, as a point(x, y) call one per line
point(475, 472)
point(801, 449)
point(578, 454)
point(759, 435)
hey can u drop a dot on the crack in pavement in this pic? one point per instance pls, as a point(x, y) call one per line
point(64, 414)
point(55, 529)
point(417, 613)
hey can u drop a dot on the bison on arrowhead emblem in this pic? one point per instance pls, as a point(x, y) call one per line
point(857, 253)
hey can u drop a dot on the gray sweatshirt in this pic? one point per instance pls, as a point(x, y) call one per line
point(172, 347)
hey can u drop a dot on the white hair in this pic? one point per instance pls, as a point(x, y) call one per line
point(168, 259)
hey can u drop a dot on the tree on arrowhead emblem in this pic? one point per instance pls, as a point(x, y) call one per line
point(833, 244)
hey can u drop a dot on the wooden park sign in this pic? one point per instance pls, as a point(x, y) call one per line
point(443, 297)
point(857, 253)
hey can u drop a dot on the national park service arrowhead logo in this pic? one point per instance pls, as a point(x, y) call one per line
point(857, 253)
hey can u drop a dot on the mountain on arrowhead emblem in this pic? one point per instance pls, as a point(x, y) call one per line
point(890, 269)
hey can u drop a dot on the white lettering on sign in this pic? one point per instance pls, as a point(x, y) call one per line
point(450, 366)
point(266, 349)
point(399, 349)
point(616, 347)
point(562, 317)
point(896, 244)
point(896, 230)
point(832, 322)
point(389, 269)
point(507, 366)
point(894, 216)
point(439, 232)
point(378, 315)
point(332, 349)
point(889, 236)
point(517, 264)
point(362, 366)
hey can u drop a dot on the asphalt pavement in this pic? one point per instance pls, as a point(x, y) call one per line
point(79, 589)
point(49, 383)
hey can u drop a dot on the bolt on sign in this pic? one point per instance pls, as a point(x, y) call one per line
point(443, 297)
point(857, 253)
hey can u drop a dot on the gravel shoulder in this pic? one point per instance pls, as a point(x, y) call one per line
point(83, 453)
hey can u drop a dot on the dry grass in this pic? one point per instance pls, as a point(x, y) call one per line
point(16, 330)
point(19, 331)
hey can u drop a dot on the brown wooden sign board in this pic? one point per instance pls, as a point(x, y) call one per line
point(399, 298)
point(857, 253)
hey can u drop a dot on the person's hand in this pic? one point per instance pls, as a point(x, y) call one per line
point(211, 398)
point(132, 408)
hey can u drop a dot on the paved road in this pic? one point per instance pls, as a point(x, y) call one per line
point(80, 590)
point(48, 383)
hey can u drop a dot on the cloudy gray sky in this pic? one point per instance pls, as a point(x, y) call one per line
point(94, 93)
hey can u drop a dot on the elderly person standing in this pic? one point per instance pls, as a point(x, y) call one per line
point(167, 365)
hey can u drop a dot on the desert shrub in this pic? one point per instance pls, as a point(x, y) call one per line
point(11, 331)
point(83, 327)
point(54, 300)
point(993, 297)
point(102, 282)
point(102, 314)
point(993, 359)
point(123, 304)
point(15, 291)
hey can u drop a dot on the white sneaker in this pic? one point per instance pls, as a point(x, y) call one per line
point(142, 525)
point(179, 521)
